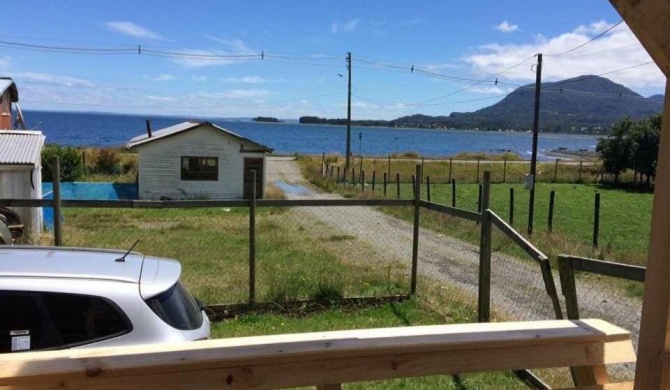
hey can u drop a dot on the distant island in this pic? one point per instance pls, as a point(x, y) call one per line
point(581, 105)
point(266, 119)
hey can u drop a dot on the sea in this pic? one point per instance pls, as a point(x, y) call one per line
point(290, 137)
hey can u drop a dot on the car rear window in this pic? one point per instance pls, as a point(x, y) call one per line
point(177, 307)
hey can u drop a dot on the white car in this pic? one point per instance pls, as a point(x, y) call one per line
point(55, 298)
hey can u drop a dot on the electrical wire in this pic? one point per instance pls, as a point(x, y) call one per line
point(585, 43)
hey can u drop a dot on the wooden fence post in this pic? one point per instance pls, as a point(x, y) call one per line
point(362, 180)
point(323, 163)
point(428, 188)
point(596, 220)
point(385, 178)
point(479, 198)
point(252, 239)
point(477, 169)
point(413, 181)
point(415, 243)
point(453, 192)
point(397, 184)
point(422, 171)
point(331, 171)
point(353, 176)
point(484, 296)
point(552, 195)
point(58, 227)
point(374, 178)
point(556, 170)
point(511, 206)
point(338, 175)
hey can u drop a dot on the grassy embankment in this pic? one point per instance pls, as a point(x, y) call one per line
point(296, 258)
point(624, 214)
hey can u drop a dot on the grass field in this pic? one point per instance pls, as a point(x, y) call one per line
point(625, 214)
point(296, 259)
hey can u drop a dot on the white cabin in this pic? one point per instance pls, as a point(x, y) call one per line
point(21, 176)
point(198, 160)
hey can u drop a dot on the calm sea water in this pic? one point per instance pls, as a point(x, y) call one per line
point(85, 129)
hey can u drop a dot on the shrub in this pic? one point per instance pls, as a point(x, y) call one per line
point(107, 161)
point(71, 164)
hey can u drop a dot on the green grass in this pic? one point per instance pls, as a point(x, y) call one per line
point(297, 258)
point(408, 313)
point(625, 215)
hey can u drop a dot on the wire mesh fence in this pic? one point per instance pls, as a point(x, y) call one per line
point(518, 290)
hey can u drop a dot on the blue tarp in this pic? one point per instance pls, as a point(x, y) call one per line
point(84, 190)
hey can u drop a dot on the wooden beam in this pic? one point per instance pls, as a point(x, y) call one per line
point(324, 358)
point(650, 372)
point(648, 19)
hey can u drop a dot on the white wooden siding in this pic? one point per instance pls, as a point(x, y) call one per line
point(15, 184)
point(160, 166)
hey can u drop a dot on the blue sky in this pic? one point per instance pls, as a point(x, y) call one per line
point(305, 45)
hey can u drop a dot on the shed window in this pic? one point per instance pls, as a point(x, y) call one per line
point(199, 168)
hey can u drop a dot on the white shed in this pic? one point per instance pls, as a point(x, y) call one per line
point(21, 175)
point(198, 160)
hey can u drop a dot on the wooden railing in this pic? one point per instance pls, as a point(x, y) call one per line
point(325, 359)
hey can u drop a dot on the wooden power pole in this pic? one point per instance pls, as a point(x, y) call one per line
point(533, 159)
point(348, 161)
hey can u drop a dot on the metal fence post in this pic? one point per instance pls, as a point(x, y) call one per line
point(374, 179)
point(385, 178)
point(428, 188)
point(397, 184)
point(484, 296)
point(415, 244)
point(552, 196)
point(55, 177)
point(596, 220)
point(362, 180)
point(252, 239)
point(478, 169)
point(504, 169)
point(511, 206)
point(453, 192)
point(450, 165)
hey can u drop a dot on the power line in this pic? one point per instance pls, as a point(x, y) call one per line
point(585, 43)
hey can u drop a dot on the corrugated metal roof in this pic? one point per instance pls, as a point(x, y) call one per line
point(20, 147)
point(183, 127)
point(6, 83)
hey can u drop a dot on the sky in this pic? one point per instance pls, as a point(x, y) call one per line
point(287, 58)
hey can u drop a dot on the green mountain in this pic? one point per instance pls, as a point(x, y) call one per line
point(584, 104)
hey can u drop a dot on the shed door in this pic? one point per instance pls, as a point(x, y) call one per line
point(253, 164)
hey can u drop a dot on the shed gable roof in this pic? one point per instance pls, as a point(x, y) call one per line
point(188, 126)
point(20, 147)
point(7, 83)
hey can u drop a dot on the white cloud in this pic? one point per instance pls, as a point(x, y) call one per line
point(165, 77)
point(617, 49)
point(235, 94)
point(245, 80)
point(52, 79)
point(506, 26)
point(199, 58)
point(348, 26)
point(492, 90)
point(161, 98)
point(133, 30)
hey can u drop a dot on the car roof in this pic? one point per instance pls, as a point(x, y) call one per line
point(72, 263)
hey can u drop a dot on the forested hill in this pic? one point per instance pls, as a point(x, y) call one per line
point(584, 104)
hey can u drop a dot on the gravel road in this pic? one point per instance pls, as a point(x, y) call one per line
point(517, 289)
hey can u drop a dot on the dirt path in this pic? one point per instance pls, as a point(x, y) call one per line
point(517, 289)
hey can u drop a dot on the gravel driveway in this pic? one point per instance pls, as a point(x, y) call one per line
point(517, 289)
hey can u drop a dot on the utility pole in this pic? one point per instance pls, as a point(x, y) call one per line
point(533, 159)
point(348, 162)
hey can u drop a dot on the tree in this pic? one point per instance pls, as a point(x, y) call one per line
point(71, 165)
point(645, 138)
point(615, 150)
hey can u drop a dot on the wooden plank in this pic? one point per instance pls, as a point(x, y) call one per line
point(518, 238)
point(607, 268)
point(387, 341)
point(649, 372)
point(324, 369)
point(456, 212)
point(648, 20)
point(609, 386)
